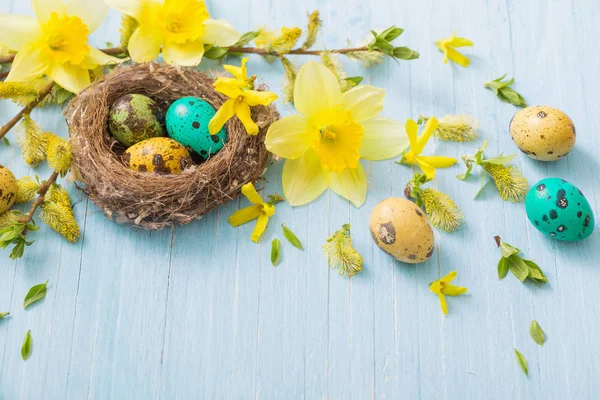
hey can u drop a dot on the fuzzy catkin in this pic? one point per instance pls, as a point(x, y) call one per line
point(509, 181)
point(443, 213)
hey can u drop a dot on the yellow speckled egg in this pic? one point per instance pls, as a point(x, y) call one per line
point(401, 229)
point(8, 189)
point(543, 133)
point(160, 155)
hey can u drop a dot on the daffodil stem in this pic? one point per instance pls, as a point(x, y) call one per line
point(111, 52)
point(262, 52)
point(10, 124)
point(42, 191)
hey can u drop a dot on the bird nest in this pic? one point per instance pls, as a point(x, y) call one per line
point(147, 199)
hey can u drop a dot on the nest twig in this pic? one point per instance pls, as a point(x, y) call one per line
point(150, 200)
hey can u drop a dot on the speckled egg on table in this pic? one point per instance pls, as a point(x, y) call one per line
point(560, 210)
point(543, 133)
point(187, 122)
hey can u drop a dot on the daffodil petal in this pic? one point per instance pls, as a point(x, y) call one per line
point(303, 179)
point(97, 57)
point(316, 89)
point(243, 216)
point(92, 13)
point(457, 57)
point(133, 8)
point(449, 278)
point(251, 194)
point(259, 229)
point(241, 72)
point(224, 113)
point(73, 78)
point(18, 30)
point(443, 303)
point(430, 127)
point(219, 32)
point(362, 101)
point(350, 184)
point(439, 161)
point(230, 87)
point(188, 54)
point(256, 98)
point(29, 63)
point(43, 9)
point(383, 138)
point(288, 137)
point(242, 111)
point(412, 131)
point(144, 45)
point(451, 290)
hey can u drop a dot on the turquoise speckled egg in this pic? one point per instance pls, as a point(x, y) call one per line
point(559, 209)
point(187, 122)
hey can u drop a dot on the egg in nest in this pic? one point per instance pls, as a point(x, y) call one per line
point(160, 155)
point(543, 133)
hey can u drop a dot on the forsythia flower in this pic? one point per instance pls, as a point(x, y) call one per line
point(323, 145)
point(447, 46)
point(56, 43)
point(443, 287)
point(428, 164)
point(242, 96)
point(259, 210)
point(180, 27)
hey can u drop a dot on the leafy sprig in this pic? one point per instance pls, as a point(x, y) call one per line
point(383, 42)
point(521, 268)
point(504, 92)
point(16, 235)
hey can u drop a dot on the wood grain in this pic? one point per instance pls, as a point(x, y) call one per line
point(200, 312)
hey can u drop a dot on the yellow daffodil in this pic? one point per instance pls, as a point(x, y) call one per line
point(447, 46)
point(323, 145)
point(180, 27)
point(442, 287)
point(413, 156)
point(242, 96)
point(55, 43)
point(259, 210)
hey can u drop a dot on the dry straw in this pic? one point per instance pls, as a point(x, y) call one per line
point(150, 200)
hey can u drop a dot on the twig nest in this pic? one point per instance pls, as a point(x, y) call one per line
point(149, 199)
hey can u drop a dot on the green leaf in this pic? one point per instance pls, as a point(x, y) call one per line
point(275, 252)
point(513, 97)
point(522, 362)
point(246, 38)
point(355, 79)
point(4, 314)
point(36, 293)
point(26, 348)
point(215, 53)
point(536, 332)
point(291, 237)
point(391, 33)
point(502, 268)
point(504, 92)
point(535, 272)
point(500, 160)
point(518, 267)
point(18, 250)
point(484, 182)
point(6, 141)
point(404, 53)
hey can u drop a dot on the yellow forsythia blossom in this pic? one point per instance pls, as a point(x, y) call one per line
point(32, 141)
point(259, 210)
point(448, 45)
point(442, 288)
point(412, 156)
point(27, 188)
point(242, 96)
point(60, 154)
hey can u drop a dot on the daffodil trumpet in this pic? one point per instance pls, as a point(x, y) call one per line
point(242, 96)
point(259, 210)
point(178, 28)
point(55, 42)
point(412, 156)
point(324, 143)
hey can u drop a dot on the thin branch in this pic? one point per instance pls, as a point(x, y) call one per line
point(10, 124)
point(111, 52)
point(42, 191)
point(262, 52)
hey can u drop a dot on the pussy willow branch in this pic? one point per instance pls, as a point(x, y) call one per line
point(10, 124)
point(254, 50)
point(41, 196)
point(111, 52)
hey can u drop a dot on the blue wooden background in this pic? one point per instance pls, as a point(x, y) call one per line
point(199, 312)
